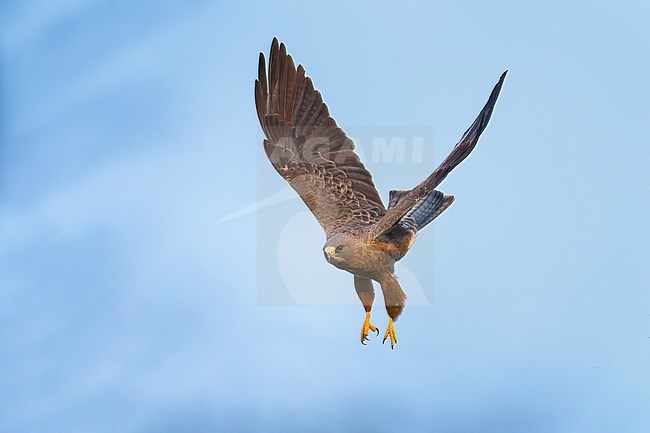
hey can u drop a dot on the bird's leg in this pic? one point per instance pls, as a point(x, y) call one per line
point(367, 296)
point(390, 332)
point(394, 298)
point(366, 328)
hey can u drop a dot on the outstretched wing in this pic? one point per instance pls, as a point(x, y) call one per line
point(458, 154)
point(308, 149)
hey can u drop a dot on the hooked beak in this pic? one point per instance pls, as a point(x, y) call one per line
point(330, 251)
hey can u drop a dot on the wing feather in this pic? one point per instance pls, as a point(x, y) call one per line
point(462, 149)
point(305, 145)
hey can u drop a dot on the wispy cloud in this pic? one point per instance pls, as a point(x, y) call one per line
point(30, 25)
point(285, 194)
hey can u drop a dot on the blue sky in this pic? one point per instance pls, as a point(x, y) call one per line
point(127, 132)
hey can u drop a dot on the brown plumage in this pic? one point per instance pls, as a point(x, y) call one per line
point(305, 145)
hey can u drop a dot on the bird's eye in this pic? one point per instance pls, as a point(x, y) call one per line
point(339, 248)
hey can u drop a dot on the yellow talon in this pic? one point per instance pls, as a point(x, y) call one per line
point(367, 326)
point(390, 332)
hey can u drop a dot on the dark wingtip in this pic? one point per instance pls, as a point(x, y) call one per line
point(261, 74)
point(262, 62)
point(486, 113)
point(502, 78)
point(274, 48)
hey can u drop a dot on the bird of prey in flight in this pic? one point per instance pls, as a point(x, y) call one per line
point(309, 150)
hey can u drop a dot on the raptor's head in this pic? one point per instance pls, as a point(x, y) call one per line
point(343, 251)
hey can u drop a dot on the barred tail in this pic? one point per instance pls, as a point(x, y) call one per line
point(426, 210)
